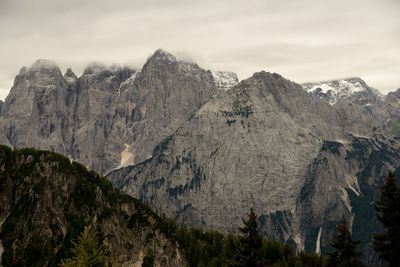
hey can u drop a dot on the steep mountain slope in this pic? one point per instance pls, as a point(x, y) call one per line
point(25, 113)
point(344, 181)
point(47, 201)
point(392, 105)
point(248, 147)
point(107, 118)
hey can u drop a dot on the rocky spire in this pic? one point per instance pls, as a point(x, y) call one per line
point(70, 76)
point(43, 64)
point(162, 55)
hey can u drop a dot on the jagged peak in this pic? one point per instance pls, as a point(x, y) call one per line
point(267, 75)
point(162, 55)
point(271, 77)
point(94, 67)
point(333, 90)
point(97, 67)
point(69, 73)
point(41, 64)
point(70, 76)
point(393, 95)
point(354, 79)
point(347, 79)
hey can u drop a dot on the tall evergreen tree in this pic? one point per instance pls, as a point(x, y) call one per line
point(87, 251)
point(344, 248)
point(387, 244)
point(251, 242)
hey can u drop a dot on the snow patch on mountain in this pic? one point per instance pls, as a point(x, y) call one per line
point(334, 90)
point(225, 80)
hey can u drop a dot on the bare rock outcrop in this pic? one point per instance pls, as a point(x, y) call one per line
point(248, 147)
point(109, 117)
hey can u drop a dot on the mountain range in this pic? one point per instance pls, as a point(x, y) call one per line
point(203, 148)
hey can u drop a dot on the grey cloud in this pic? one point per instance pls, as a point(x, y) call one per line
point(303, 40)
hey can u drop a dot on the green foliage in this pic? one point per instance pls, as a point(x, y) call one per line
point(251, 242)
point(36, 252)
point(138, 219)
point(212, 248)
point(229, 122)
point(344, 248)
point(84, 193)
point(387, 244)
point(243, 111)
point(87, 251)
point(148, 261)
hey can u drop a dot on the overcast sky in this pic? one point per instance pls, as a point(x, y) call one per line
point(307, 40)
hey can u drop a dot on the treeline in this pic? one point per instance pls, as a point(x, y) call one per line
point(202, 248)
point(212, 248)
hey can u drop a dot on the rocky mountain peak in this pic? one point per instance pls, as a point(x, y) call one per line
point(393, 96)
point(70, 76)
point(160, 59)
point(43, 68)
point(42, 73)
point(275, 83)
point(93, 68)
point(354, 89)
point(162, 55)
point(44, 64)
point(23, 70)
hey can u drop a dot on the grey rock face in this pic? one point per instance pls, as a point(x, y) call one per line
point(354, 91)
point(343, 181)
point(393, 96)
point(35, 111)
point(107, 118)
point(248, 147)
point(70, 77)
point(164, 94)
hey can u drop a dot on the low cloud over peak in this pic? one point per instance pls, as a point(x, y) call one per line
point(304, 41)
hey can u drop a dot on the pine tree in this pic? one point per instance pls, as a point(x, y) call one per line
point(344, 248)
point(86, 251)
point(387, 244)
point(251, 242)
